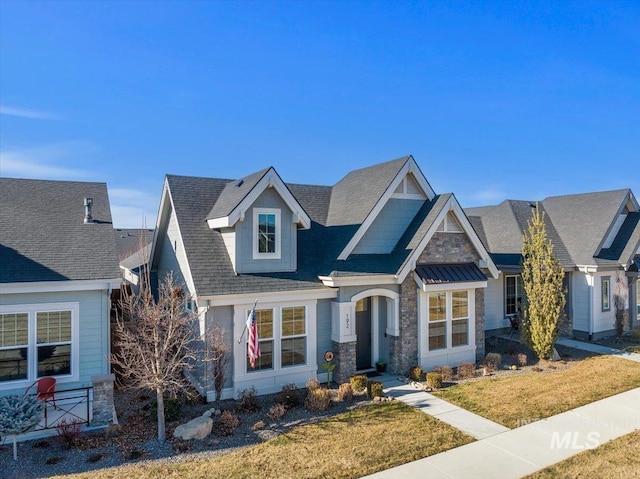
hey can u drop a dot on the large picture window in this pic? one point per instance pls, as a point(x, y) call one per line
point(266, 232)
point(513, 294)
point(282, 333)
point(37, 341)
point(449, 318)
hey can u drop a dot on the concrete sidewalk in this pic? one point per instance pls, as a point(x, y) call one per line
point(597, 348)
point(518, 452)
point(468, 422)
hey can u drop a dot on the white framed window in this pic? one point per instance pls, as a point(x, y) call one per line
point(282, 334)
point(605, 282)
point(513, 294)
point(437, 321)
point(448, 319)
point(266, 233)
point(36, 341)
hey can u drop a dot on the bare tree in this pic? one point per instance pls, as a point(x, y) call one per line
point(156, 341)
point(219, 356)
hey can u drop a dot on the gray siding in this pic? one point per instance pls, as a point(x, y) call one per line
point(323, 331)
point(222, 317)
point(347, 292)
point(172, 255)
point(388, 227)
point(93, 329)
point(494, 304)
point(288, 239)
point(580, 300)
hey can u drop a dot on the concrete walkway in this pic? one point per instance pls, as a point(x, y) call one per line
point(527, 449)
point(502, 453)
point(461, 419)
point(597, 348)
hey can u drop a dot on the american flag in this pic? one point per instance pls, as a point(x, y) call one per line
point(252, 336)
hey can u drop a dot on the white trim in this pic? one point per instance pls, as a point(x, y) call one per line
point(409, 167)
point(60, 286)
point(448, 286)
point(270, 296)
point(271, 380)
point(271, 179)
point(453, 206)
point(186, 271)
point(278, 227)
point(364, 280)
point(32, 309)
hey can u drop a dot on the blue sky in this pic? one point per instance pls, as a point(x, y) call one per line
point(494, 100)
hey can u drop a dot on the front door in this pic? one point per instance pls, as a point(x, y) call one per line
point(363, 334)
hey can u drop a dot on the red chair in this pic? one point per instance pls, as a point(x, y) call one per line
point(45, 390)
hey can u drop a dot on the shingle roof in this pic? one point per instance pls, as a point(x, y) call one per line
point(233, 193)
point(43, 236)
point(367, 185)
point(130, 240)
point(576, 226)
point(211, 268)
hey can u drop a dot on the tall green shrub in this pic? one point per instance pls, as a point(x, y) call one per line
point(542, 277)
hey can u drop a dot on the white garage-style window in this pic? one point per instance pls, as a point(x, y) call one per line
point(282, 334)
point(448, 319)
point(266, 233)
point(37, 341)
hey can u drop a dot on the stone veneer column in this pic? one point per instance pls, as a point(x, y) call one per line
point(404, 349)
point(480, 324)
point(345, 358)
point(103, 408)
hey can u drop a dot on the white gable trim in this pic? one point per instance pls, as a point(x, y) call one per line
point(409, 167)
point(271, 179)
point(61, 286)
point(453, 206)
point(162, 218)
point(616, 223)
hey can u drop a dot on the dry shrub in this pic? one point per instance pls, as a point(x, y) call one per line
point(289, 396)
point(345, 392)
point(318, 400)
point(374, 389)
point(521, 359)
point(276, 411)
point(466, 370)
point(312, 384)
point(492, 361)
point(258, 426)
point(228, 423)
point(358, 382)
point(415, 373)
point(248, 400)
point(68, 432)
point(434, 380)
point(445, 371)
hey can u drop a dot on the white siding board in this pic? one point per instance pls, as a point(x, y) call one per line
point(494, 304)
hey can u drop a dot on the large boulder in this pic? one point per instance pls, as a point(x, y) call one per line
point(197, 428)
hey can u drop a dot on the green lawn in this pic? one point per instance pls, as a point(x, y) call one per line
point(349, 445)
point(531, 396)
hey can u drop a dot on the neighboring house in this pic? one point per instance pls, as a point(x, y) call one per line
point(57, 270)
point(376, 267)
point(133, 247)
point(596, 237)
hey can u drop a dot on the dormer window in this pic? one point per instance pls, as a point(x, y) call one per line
point(266, 233)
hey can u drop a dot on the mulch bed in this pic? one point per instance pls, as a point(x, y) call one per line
point(135, 438)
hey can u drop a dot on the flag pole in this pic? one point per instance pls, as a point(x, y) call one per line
point(245, 323)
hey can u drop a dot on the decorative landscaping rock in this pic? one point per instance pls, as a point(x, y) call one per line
point(212, 412)
point(197, 428)
point(555, 356)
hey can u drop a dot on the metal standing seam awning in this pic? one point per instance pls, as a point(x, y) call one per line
point(442, 274)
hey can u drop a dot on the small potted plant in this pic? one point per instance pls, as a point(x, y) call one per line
point(381, 366)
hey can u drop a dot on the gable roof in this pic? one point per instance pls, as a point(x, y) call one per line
point(43, 235)
point(331, 212)
point(130, 240)
point(577, 226)
point(238, 196)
